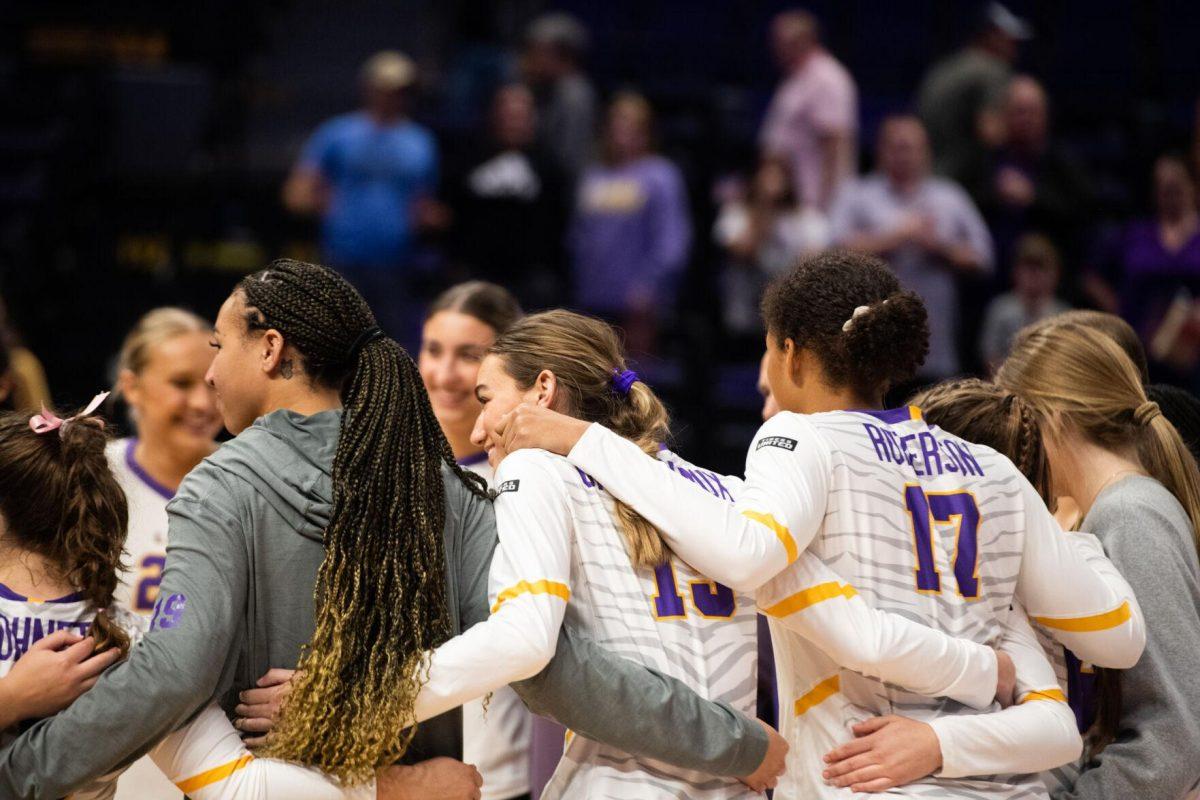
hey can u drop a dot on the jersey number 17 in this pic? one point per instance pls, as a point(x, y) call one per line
point(926, 510)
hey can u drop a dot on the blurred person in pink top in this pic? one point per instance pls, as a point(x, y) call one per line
point(813, 117)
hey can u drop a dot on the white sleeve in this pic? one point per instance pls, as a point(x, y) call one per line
point(1083, 603)
point(1036, 734)
point(744, 544)
point(811, 599)
point(207, 760)
point(529, 589)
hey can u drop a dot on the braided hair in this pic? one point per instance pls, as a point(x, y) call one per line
point(380, 592)
point(987, 414)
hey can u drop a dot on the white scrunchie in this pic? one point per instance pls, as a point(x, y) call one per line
point(858, 312)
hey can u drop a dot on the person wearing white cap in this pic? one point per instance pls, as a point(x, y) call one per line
point(960, 94)
point(367, 175)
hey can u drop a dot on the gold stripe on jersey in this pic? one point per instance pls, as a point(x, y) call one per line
point(209, 777)
point(818, 694)
point(810, 597)
point(1095, 622)
point(1053, 695)
point(536, 587)
point(785, 536)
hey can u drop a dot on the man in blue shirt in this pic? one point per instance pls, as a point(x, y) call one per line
point(369, 176)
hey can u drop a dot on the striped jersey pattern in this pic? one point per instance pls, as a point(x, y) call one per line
point(906, 507)
point(671, 619)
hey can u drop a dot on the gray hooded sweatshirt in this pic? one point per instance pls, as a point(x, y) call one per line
point(236, 599)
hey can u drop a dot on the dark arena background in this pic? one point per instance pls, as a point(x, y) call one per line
point(144, 148)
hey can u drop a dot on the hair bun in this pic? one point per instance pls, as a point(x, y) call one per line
point(1146, 413)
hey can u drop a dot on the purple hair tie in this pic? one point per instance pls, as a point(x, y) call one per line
point(623, 380)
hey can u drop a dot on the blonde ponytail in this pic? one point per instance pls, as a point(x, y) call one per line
point(585, 356)
point(1165, 456)
point(1080, 378)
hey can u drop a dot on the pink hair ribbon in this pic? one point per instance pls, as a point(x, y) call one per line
point(47, 421)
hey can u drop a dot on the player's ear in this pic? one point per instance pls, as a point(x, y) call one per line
point(795, 361)
point(129, 387)
point(546, 386)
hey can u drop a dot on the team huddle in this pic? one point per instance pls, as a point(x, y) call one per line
point(394, 567)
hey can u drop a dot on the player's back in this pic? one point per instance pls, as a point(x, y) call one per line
point(921, 524)
point(671, 619)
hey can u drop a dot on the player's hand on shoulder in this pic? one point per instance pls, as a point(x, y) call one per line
point(258, 709)
point(773, 763)
point(56, 670)
point(887, 752)
point(530, 425)
point(435, 779)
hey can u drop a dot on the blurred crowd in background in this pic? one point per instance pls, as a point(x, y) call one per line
point(652, 164)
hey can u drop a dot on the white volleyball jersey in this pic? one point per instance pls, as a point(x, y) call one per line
point(562, 560)
point(913, 520)
point(496, 739)
point(205, 759)
point(146, 542)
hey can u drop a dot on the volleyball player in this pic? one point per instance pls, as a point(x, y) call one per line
point(461, 325)
point(916, 521)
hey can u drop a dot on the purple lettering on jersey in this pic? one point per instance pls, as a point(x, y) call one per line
point(961, 509)
point(668, 604)
point(878, 440)
point(18, 634)
point(929, 453)
point(588, 481)
point(168, 612)
point(713, 599)
point(894, 446)
point(969, 464)
point(952, 462)
point(909, 456)
point(928, 578)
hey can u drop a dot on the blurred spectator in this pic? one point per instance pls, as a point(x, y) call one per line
point(1035, 277)
point(763, 234)
point(925, 227)
point(1030, 182)
point(959, 98)
point(23, 380)
point(369, 175)
point(813, 117)
point(1145, 268)
point(566, 102)
point(505, 187)
point(630, 236)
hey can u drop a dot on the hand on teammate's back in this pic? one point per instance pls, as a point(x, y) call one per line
point(888, 752)
point(530, 425)
point(435, 779)
point(56, 670)
point(773, 763)
point(258, 709)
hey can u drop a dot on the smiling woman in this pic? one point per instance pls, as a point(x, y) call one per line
point(161, 376)
point(463, 323)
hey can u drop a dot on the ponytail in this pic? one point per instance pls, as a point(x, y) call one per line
point(642, 418)
point(585, 356)
point(60, 500)
point(380, 593)
point(1164, 455)
point(94, 522)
